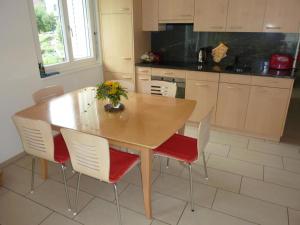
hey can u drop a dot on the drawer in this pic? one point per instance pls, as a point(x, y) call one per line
point(143, 70)
point(168, 72)
point(235, 79)
point(118, 76)
point(272, 82)
point(202, 76)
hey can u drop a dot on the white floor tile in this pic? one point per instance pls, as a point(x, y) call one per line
point(229, 139)
point(250, 209)
point(175, 167)
point(134, 176)
point(2, 190)
point(164, 208)
point(236, 166)
point(204, 216)
point(292, 164)
point(217, 149)
point(156, 222)
point(96, 187)
point(256, 157)
point(101, 212)
point(271, 192)
point(282, 177)
point(17, 210)
point(56, 219)
point(179, 188)
point(294, 217)
point(52, 195)
point(217, 178)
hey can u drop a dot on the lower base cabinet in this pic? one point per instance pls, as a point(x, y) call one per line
point(267, 111)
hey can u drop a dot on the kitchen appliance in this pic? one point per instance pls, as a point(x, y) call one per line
point(180, 82)
point(281, 62)
point(204, 55)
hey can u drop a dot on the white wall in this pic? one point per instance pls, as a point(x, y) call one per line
point(19, 75)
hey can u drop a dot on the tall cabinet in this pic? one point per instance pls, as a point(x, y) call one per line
point(122, 38)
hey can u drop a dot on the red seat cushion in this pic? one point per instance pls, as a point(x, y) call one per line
point(120, 163)
point(61, 153)
point(179, 147)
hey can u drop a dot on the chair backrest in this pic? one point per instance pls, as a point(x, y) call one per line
point(47, 93)
point(127, 85)
point(89, 154)
point(36, 136)
point(164, 88)
point(204, 132)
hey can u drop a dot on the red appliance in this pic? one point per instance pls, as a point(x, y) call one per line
point(281, 62)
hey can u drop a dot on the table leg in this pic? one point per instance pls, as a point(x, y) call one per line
point(44, 169)
point(146, 166)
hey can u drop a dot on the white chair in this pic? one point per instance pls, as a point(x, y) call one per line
point(47, 93)
point(127, 85)
point(186, 149)
point(164, 88)
point(38, 141)
point(92, 156)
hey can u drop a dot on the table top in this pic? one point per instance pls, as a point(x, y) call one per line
point(146, 122)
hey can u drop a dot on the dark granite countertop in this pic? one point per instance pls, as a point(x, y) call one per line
point(254, 71)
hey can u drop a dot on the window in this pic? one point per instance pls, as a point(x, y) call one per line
point(65, 33)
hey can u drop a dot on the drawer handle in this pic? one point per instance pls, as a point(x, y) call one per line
point(168, 73)
point(124, 9)
point(144, 71)
point(216, 27)
point(272, 28)
point(201, 85)
point(126, 58)
point(186, 15)
point(144, 78)
point(236, 27)
point(231, 87)
point(126, 77)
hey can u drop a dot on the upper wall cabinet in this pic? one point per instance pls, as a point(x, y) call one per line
point(210, 15)
point(246, 15)
point(176, 11)
point(115, 6)
point(282, 16)
point(150, 15)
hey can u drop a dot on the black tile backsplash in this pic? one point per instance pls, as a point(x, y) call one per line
point(180, 44)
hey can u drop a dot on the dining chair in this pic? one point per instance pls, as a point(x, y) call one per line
point(127, 85)
point(187, 150)
point(164, 88)
point(47, 93)
point(38, 141)
point(92, 156)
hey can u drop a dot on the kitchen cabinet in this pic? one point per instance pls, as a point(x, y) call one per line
point(282, 16)
point(210, 15)
point(176, 11)
point(267, 111)
point(118, 76)
point(117, 56)
point(245, 15)
point(150, 15)
point(143, 75)
point(232, 105)
point(116, 6)
point(205, 93)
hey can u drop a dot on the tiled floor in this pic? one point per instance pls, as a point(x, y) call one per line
point(251, 182)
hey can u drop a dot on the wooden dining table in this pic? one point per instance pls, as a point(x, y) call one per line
point(146, 122)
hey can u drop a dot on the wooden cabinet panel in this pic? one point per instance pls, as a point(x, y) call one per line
point(272, 82)
point(143, 70)
point(282, 16)
point(232, 105)
point(210, 15)
point(176, 10)
point(205, 76)
point(235, 78)
point(267, 110)
point(205, 93)
point(246, 15)
point(115, 6)
point(141, 79)
point(117, 43)
point(150, 15)
point(118, 76)
point(168, 72)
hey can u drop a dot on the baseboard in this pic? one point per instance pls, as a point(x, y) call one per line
point(12, 159)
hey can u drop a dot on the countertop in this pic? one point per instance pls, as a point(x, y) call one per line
point(214, 68)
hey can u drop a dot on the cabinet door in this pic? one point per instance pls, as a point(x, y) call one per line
point(117, 43)
point(267, 110)
point(210, 15)
point(205, 93)
point(246, 15)
point(115, 6)
point(176, 10)
point(232, 105)
point(282, 16)
point(118, 76)
point(141, 82)
point(150, 15)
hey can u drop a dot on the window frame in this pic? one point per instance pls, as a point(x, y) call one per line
point(71, 64)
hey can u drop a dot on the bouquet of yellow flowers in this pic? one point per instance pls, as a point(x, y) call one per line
point(111, 90)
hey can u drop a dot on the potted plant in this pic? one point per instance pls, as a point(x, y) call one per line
point(112, 91)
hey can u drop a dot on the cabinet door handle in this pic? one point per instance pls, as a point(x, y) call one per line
point(201, 85)
point(126, 58)
point(272, 28)
point(144, 78)
point(168, 73)
point(126, 77)
point(185, 15)
point(144, 71)
point(124, 9)
point(236, 27)
point(216, 27)
point(231, 87)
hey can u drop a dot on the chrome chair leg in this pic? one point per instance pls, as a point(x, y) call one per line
point(204, 165)
point(191, 188)
point(63, 168)
point(77, 195)
point(168, 163)
point(32, 175)
point(117, 203)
